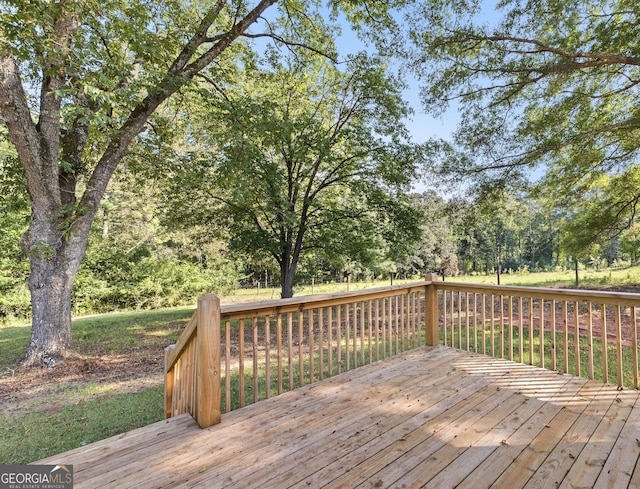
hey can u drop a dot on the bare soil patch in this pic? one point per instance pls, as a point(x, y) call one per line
point(47, 389)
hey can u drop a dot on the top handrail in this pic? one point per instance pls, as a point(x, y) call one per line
point(303, 303)
point(586, 295)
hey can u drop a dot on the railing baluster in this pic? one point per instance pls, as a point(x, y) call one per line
point(321, 342)
point(531, 331)
point(390, 326)
point(370, 329)
point(634, 346)
point(384, 329)
point(267, 356)
point(484, 323)
point(466, 318)
point(279, 340)
point(421, 316)
point(590, 338)
point(520, 330)
point(290, 349)
point(241, 361)
point(354, 335)
point(409, 321)
point(377, 328)
point(501, 322)
point(444, 318)
point(459, 320)
point(300, 349)
point(255, 358)
point(576, 336)
point(347, 338)
point(619, 345)
point(453, 334)
point(339, 335)
point(362, 332)
point(401, 325)
point(605, 344)
point(553, 336)
point(227, 365)
point(493, 325)
point(565, 337)
point(475, 322)
point(510, 298)
point(312, 353)
point(541, 330)
point(330, 328)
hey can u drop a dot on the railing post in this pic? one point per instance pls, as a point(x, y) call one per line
point(431, 311)
point(207, 410)
point(168, 383)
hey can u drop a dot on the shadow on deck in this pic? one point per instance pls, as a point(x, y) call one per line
point(430, 417)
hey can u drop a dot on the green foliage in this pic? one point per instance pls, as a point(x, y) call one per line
point(300, 158)
point(606, 211)
point(540, 84)
point(133, 263)
point(14, 215)
point(148, 283)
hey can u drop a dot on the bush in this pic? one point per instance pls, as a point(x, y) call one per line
point(15, 303)
point(150, 284)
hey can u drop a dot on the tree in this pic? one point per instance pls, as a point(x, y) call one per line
point(607, 211)
point(546, 84)
point(78, 82)
point(550, 82)
point(436, 250)
point(301, 157)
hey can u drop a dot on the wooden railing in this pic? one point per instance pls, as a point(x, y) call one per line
point(231, 356)
point(586, 333)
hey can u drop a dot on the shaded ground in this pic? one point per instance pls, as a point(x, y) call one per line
point(44, 389)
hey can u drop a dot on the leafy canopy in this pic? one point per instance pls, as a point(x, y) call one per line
point(299, 156)
point(538, 81)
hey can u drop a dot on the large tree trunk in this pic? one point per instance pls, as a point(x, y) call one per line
point(55, 260)
point(50, 287)
point(287, 275)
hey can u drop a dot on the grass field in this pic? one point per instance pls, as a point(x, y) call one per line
point(116, 385)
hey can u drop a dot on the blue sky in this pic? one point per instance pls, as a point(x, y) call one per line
point(421, 125)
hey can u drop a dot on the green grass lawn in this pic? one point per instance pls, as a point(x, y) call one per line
point(46, 414)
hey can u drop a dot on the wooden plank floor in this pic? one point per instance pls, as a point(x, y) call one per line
point(428, 418)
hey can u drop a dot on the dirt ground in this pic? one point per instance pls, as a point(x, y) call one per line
point(25, 390)
point(597, 323)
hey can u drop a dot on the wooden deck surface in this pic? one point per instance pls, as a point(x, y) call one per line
point(427, 418)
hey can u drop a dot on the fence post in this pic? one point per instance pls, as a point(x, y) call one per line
point(207, 411)
point(431, 310)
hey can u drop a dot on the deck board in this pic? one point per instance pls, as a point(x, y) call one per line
point(430, 417)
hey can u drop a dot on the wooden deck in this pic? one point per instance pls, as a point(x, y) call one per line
point(432, 417)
